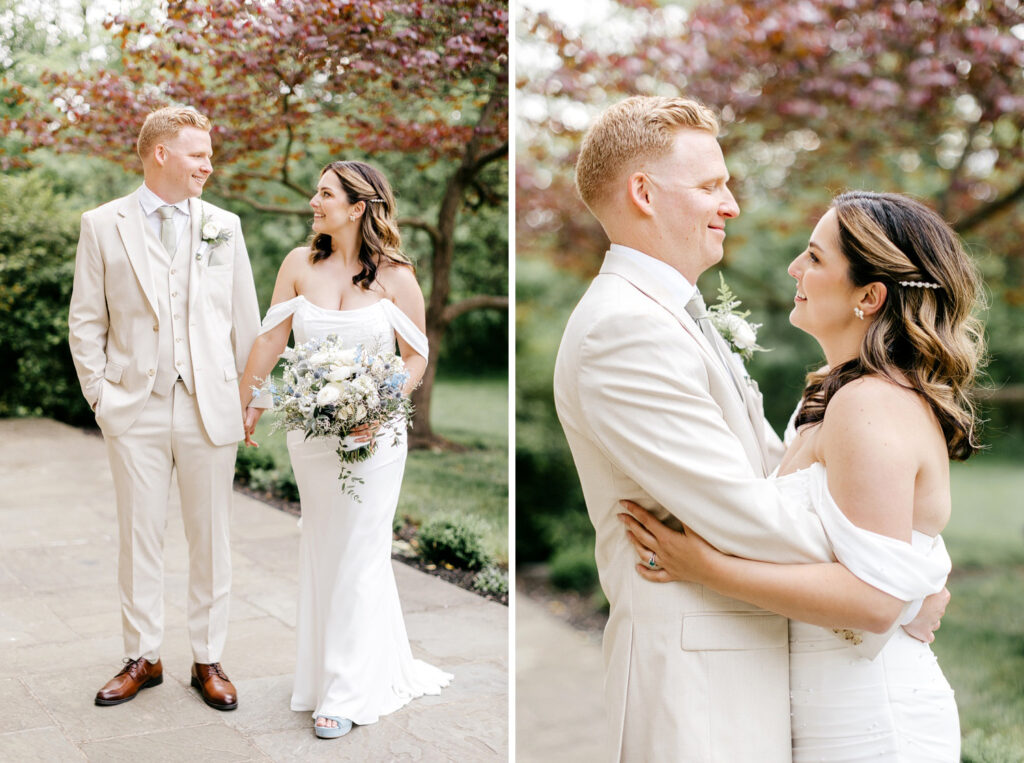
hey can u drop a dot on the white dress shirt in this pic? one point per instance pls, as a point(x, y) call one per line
point(150, 203)
point(667, 275)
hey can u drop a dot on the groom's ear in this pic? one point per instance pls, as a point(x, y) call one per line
point(639, 191)
point(873, 298)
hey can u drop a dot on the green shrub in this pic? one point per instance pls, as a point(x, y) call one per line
point(38, 238)
point(457, 541)
point(492, 580)
point(573, 568)
point(250, 459)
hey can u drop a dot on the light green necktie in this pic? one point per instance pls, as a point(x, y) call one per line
point(167, 232)
point(699, 312)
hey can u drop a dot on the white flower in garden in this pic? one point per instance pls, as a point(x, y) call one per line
point(327, 395)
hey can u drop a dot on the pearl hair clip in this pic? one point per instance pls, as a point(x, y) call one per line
point(920, 284)
point(378, 200)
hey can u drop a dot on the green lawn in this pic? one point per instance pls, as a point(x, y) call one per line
point(474, 413)
point(981, 643)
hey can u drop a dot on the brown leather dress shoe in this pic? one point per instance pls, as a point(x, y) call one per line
point(137, 675)
point(214, 686)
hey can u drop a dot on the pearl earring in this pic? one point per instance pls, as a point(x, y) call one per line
point(858, 312)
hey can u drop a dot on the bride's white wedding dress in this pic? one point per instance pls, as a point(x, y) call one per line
point(897, 707)
point(353, 657)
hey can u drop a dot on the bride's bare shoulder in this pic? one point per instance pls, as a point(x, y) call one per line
point(876, 402)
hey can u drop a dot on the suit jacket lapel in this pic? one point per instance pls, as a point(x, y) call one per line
point(195, 222)
point(645, 282)
point(133, 236)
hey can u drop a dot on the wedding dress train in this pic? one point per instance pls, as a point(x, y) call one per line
point(353, 657)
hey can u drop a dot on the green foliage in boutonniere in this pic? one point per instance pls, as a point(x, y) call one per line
point(732, 324)
point(212, 236)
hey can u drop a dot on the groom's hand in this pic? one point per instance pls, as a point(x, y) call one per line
point(929, 619)
point(252, 415)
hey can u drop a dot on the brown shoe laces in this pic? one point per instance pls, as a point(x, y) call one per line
point(132, 667)
point(217, 670)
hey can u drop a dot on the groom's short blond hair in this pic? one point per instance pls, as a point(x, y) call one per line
point(631, 131)
point(165, 123)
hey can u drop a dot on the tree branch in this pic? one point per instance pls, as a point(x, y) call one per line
point(260, 206)
point(479, 302)
point(494, 154)
point(304, 192)
point(954, 174)
point(420, 224)
point(983, 213)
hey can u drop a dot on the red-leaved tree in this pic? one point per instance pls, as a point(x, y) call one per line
point(427, 78)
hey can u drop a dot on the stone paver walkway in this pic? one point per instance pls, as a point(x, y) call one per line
point(559, 690)
point(60, 636)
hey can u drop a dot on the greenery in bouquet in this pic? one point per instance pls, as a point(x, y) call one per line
point(330, 390)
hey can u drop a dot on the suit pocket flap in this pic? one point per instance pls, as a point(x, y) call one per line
point(230, 372)
point(734, 630)
point(112, 372)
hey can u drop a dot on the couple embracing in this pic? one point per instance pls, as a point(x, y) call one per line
point(763, 619)
point(165, 333)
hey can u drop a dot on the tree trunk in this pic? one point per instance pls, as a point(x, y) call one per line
point(439, 316)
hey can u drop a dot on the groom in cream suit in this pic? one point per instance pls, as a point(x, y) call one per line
point(657, 410)
point(163, 315)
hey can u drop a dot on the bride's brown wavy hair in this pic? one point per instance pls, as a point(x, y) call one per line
point(380, 240)
point(926, 339)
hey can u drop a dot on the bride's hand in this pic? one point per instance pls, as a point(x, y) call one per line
point(929, 618)
point(365, 433)
point(678, 556)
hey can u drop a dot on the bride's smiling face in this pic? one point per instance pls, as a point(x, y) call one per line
point(825, 295)
point(331, 209)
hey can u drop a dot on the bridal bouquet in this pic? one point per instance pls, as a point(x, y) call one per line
point(328, 390)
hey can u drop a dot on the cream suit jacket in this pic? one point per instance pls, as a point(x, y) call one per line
point(113, 324)
point(651, 415)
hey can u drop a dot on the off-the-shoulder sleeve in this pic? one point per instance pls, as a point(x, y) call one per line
point(403, 326)
point(902, 570)
point(278, 313)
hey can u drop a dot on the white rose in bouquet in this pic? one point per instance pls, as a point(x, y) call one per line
point(328, 395)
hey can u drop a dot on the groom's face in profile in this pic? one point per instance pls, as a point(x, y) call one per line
point(185, 162)
point(692, 199)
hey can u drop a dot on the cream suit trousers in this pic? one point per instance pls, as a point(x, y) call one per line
point(169, 434)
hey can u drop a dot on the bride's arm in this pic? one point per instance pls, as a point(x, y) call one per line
point(825, 594)
point(868, 444)
point(402, 288)
point(269, 346)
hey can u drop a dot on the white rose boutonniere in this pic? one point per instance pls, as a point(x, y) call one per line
point(732, 324)
point(213, 236)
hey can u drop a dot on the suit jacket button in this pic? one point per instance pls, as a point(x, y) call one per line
point(151, 372)
point(156, 327)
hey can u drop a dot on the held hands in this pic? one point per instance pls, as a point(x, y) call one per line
point(929, 618)
point(678, 556)
point(249, 419)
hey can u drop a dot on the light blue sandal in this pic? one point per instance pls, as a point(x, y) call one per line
point(332, 732)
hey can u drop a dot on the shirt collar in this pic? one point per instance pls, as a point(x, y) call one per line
point(151, 202)
point(674, 281)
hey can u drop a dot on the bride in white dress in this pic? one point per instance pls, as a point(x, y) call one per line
point(353, 660)
point(887, 290)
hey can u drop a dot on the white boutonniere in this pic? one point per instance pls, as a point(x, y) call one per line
point(213, 235)
point(732, 324)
